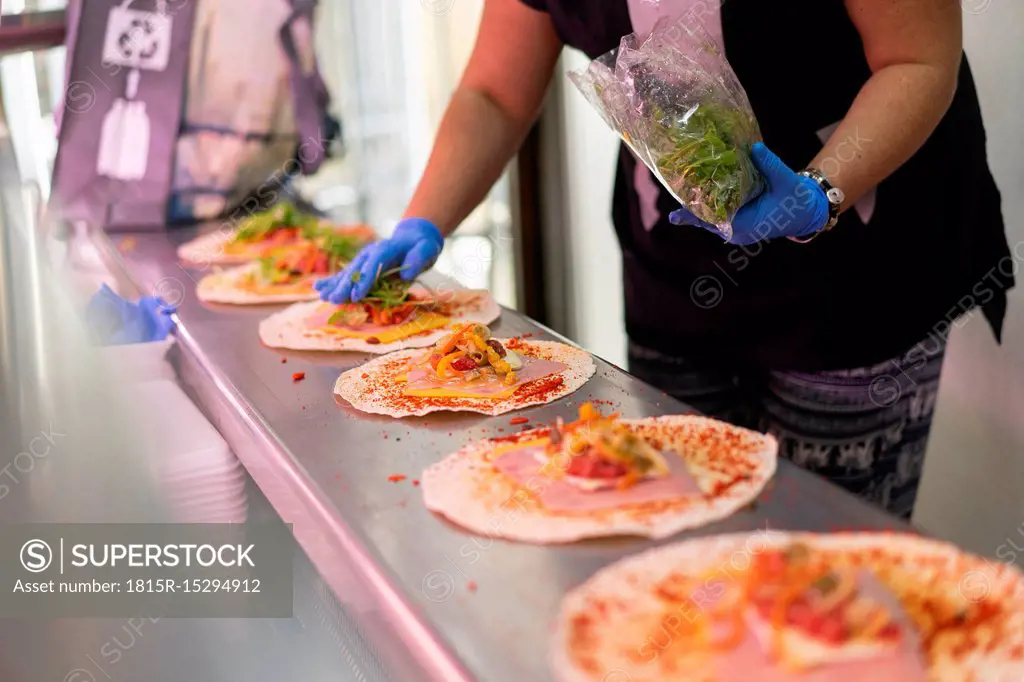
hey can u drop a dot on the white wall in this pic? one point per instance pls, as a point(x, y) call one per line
point(595, 262)
point(973, 489)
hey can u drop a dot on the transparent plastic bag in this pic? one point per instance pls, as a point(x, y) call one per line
point(676, 102)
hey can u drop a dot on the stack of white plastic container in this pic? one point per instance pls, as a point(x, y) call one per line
point(202, 479)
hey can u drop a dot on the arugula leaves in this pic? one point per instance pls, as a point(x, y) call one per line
point(388, 291)
point(706, 158)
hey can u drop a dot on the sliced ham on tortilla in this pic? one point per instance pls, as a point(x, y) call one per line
point(305, 326)
point(220, 247)
point(525, 467)
point(392, 385)
point(713, 469)
point(883, 607)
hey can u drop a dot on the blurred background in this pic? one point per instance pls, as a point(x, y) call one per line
point(543, 241)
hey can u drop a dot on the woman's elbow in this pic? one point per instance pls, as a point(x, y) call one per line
point(950, 79)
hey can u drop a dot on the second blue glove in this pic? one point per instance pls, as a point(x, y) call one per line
point(414, 246)
point(116, 321)
point(792, 205)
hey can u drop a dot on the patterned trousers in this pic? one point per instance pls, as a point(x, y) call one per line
point(864, 429)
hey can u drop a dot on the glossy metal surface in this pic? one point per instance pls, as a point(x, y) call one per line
point(461, 606)
point(73, 449)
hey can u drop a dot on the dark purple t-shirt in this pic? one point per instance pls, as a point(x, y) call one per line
point(933, 247)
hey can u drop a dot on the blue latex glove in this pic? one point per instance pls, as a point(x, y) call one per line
point(115, 321)
point(415, 245)
point(791, 206)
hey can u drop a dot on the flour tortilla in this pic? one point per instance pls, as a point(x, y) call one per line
point(209, 249)
point(467, 489)
point(288, 329)
point(372, 387)
point(589, 645)
point(225, 287)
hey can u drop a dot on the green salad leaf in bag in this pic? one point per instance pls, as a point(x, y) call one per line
point(674, 99)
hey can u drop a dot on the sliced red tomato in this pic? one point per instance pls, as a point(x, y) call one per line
point(827, 626)
point(589, 466)
point(463, 364)
point(770, 563)
point(395, 315)
point(282, 235)
point(890, 631)
point(800, 615)
point(832, 629)
point(321, 265)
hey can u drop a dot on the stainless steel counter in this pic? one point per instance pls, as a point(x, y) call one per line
point(436, 603)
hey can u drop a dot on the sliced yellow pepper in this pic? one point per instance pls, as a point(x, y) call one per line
point(479, 343)
point(446, 361)
point(510, 378)
point(500, 365)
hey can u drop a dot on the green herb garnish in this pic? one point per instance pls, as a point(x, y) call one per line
point(389, 290)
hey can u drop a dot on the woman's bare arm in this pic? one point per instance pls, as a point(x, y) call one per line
point(496, 102)
point(913, 48)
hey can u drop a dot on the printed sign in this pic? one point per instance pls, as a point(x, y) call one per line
point(137, 40)
point(155, 570)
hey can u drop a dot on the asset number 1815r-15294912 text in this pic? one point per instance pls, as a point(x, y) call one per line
point(195, 585)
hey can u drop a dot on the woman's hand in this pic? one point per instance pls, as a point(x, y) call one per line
point(415, 245)
point(489, 115)
point(790, 206)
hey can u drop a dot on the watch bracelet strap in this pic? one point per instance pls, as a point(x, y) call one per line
point(819, 178)
point(827, 187)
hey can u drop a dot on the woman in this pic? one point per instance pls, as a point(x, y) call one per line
point(832, 339)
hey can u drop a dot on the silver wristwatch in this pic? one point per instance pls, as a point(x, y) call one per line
point(835, 198)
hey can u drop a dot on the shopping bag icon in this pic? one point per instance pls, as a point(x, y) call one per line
point(136, 39)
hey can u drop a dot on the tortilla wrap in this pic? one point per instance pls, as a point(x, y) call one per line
point(618, 626)
point(213, 248)
point(291, 327)
point(374, 388)
point(225, 286)
point(470, 490)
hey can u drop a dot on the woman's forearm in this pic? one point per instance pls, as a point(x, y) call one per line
point(913, 48)
point(891, 118)
point(497, 101)
point(475, 142)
